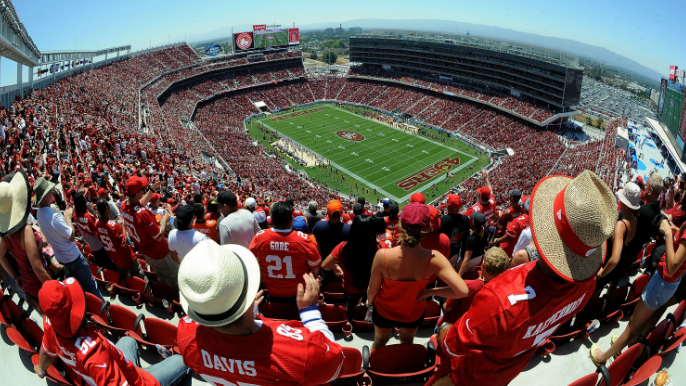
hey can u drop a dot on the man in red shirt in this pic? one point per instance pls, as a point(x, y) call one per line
point(146, 235)
point(284, 255)
point(515, 210)
point(514, 314)
point(486, 204)
point(223, 343)
point(514, 229)
point(112, 238)
point(69, 336)
point(393, 220)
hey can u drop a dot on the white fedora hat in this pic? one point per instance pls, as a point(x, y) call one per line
point(15, 199)
point(218, 284)
point(630, 196)
point(571, 220)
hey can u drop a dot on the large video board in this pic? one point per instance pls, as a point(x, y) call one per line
point(270, 38)
point(672, 106)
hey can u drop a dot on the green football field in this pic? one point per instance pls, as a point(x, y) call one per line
point(271, 39)
point(391, 161)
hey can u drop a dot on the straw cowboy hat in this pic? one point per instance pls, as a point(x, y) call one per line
point(15, 203)
point(571, 220)
point(218, 284)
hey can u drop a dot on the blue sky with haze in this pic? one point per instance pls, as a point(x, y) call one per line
point(649, 32)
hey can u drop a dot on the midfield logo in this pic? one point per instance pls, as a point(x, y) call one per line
point(350, 135)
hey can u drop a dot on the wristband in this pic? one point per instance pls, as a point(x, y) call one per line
point(43, 372)
point(310, 308)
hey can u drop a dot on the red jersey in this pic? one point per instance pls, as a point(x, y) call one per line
point(510, 318)
point(514, 229)
point(94, 358)
point(284, 256)
point(455, 308)
point(280, 353)
point(112, 238)
point(662, 265)
point(208, 228)
point(86, 223)
point(437, 241)
point(385, 239)
point(393, 226)
point(508, 215)
point(487, 210)
point(142, 228)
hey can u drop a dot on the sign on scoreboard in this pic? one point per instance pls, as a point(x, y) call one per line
point(243, 41)
point(293, 36)
point(259, 27)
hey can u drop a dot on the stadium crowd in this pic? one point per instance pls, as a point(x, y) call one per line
point(235, 239)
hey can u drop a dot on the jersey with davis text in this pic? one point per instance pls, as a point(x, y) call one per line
point(284, 257)
point(509, 319)
point(280, 353)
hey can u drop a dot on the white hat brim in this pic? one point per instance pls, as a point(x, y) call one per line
point(21, 205)
point(252, 268)
point(622, 197)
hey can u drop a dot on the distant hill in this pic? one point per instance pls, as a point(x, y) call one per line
point(572, 46)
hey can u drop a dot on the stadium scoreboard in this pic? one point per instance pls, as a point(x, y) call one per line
point(263, 37)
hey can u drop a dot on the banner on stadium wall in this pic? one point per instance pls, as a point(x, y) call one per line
point(682, 125)
point(293, 36)
point(259, 27)
point(672, 73)
point(663, 90)
point(213, 50)
point(243, 41)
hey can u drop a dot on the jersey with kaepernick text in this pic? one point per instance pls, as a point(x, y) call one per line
point(142, 228)
point(487, 210)
point(114, 242)
point(509, 319)
point(94, 358)
point(284, 257)
point(280, 353)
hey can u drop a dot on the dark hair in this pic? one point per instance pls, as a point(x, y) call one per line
point(80, 203)
point(282, 214)
point(199, 211)
point(359, 251)
point(358, 209)
point(102, 206)
point(379, 225)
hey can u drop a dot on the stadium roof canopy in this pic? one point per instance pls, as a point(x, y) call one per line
point(48, 57)
point(15, 42)
point(667, 141)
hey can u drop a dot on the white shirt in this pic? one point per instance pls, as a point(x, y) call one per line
point(58, 233)
point(237, 228)
point(524, 240)
point(183, 241)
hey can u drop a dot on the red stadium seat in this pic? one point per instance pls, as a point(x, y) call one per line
point(645, 371)
point(96, 309)
point(637, 287)
point(280, 311)
point(27, 335)
point(433, 313)
point(52, 373)
point(333, 315)
point(679, 314)
point(334, 292)
point(133, 287)
point(673, 342)
point(589, 380)
point(400, 363)
point(163, 296)
point(655, 340)
point(157, 331)
point(621, 366)
point(352, 366)
point(359, 324)
point(123, 320)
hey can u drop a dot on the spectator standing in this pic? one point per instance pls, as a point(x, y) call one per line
point(455, 226)
point(212, 210)
point(85, 222)
point(284, 255)
point(434, 239)
point(20, 239)
point(312, 215)
point(219, 288)
point(185, 237)
point(112, 238)
point(393, 220)
point(143, 230)
point(236, 226)
point(330, 233)
point(68, 333)
point(475, 246)
point(399, 277)
point(354, 260)
point(59, 231)
point(509, 318)
point(204, 226)
point(114, 210)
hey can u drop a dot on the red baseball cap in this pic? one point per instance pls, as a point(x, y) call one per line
point(155, 197)
point(454, 201)
point(639, 179)
point(435, 219)
point(418, 197)
point(102, 192)
point(415, 214)
point(64, 303)
point(485, 192)
point(135, 184)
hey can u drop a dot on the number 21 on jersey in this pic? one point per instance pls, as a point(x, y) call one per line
point(276, 265)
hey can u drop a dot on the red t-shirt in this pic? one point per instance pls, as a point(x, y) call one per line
point(437, 241)
point(86, 223)
point(662, 265)
point(94, 358)
point(508, 215)
point(459, 307)
point(337, 254)
point(678, 215)
point(280, 353)
point(142, 228)
point(385, 239)
point(514, 229)
point(393, 226)
point(213, 216)
point(284, 257)
point(487, 210)
point(510, 318)
point(112, 238)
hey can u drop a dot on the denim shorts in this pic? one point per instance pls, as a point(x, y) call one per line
point(658, 292)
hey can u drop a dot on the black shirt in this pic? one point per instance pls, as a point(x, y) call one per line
point(456, 227)
point(478, 247)
point(329, 236)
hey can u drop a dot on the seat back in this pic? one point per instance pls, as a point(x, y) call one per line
point(674, 342)
point(333, 312)
point(280, 311)
point(160, 332)
point(110, 276)
point(589, 380)
point(398, 359)
point(123, 319)
point(620, 368)
point(679, 314)
point(616, 298)
point(134, 283)
point(93, 304)
point(35, 331)
point(637, 287)
point(335, 287)
point(353, 362)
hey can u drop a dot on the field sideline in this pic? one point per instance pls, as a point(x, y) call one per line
point(391, 161)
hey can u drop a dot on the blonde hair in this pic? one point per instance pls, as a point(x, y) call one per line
point(495, 261)
point(410, 238)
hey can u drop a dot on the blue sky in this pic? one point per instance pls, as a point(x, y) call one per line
point(649, 32)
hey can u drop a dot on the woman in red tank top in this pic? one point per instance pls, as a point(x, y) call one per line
point(397, 289)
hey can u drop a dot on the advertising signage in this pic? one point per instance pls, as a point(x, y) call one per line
point(293, 36)
point(259, 27)
point(243, 41)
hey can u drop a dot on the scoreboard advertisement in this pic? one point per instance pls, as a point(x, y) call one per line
point(261, 38)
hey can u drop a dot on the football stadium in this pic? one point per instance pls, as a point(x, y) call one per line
point(428, 211)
